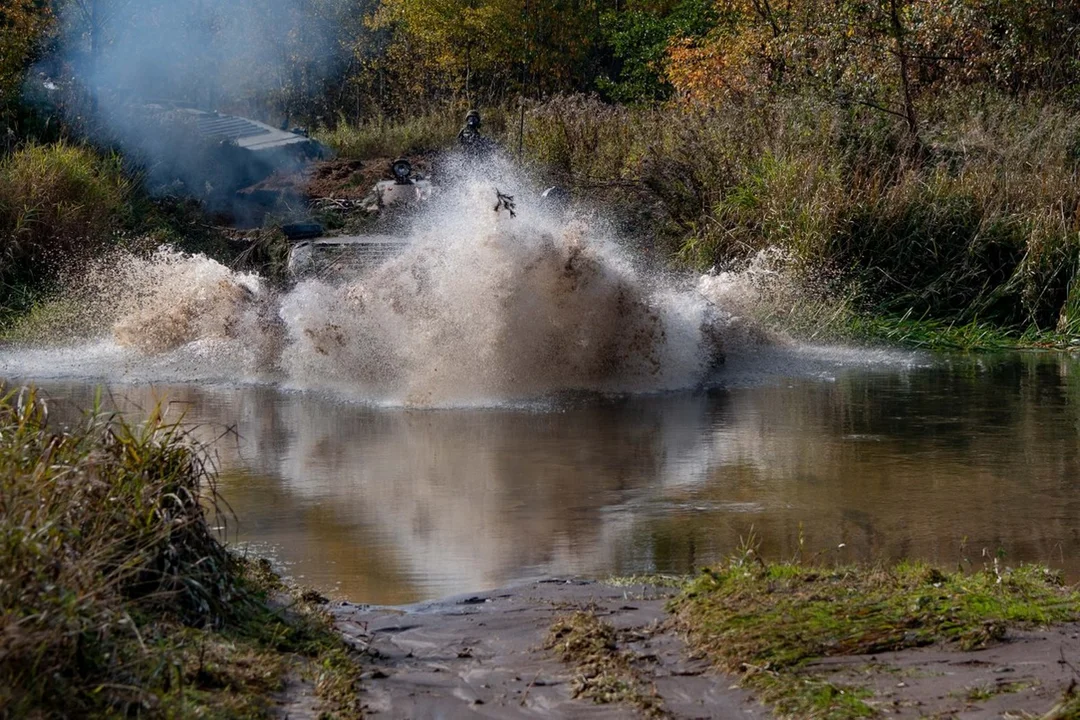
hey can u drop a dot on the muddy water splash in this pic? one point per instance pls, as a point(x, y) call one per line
point(481, 307)
point(496, 307)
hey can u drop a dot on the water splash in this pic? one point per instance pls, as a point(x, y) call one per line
point(494, 307)
point(480, 308)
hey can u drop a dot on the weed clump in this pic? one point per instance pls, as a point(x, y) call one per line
point(116, 595)
point(56, 202)
point(604, 673)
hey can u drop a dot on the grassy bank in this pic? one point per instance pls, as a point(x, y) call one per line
point(117, 595)
point(64, 204)
point(981, 225)
point(952, 336)
point(975, 233)
point(767, 623)
point(969, 241)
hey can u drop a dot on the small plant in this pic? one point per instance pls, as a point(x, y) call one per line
point(56, 200)
point(604, 673)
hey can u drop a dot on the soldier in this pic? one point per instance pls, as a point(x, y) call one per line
point(474, 145)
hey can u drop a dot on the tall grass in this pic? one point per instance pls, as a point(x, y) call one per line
point(55, 199)
point(116, 596)
point(384, 136)
point(981, 224)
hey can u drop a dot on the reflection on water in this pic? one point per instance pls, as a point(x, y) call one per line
point(389, 505)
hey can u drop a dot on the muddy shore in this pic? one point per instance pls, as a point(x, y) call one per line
point(484, 655)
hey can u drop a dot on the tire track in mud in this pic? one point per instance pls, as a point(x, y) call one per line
point(483, 655)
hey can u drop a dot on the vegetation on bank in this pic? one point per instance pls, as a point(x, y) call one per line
point(603, 672)
point(972, 242)
point(972, 245)
point(65, 204)
point(767, 623)
point(117, 596)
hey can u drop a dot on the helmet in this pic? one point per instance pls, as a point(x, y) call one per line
point(472, 118)
point(402, 169)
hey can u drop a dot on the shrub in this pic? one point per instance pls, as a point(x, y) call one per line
point(982, 225)
point(117, 597)
point(57, 202)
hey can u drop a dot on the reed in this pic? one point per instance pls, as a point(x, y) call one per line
point(979, 225)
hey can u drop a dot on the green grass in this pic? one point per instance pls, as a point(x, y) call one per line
point(942, 335)
point(63, 205)
point(117, 597)
point(934, 334)
point(1068, 708)
point(767, 622)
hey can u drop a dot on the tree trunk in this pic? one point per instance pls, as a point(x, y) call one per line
point(905, 71)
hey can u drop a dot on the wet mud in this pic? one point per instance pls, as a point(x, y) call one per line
point(1024, 676)
point(483, 655)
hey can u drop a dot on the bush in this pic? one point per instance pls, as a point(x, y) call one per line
point(117, 597)
point(982, 224)
point(98, 523)
point(57, 202)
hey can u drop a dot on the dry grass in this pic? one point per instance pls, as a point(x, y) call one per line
point(983, 225)
point(55, 199)
point(388, 137)
point(603, 672)
point(116, 595)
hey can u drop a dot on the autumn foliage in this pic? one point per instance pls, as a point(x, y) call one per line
point(926, 151)
point(883, 53)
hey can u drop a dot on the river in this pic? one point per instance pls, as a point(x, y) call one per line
point(828, 454)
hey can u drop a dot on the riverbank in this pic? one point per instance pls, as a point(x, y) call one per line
point(749, 641)
point(118, 595)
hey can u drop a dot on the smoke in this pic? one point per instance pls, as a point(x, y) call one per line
point(209, 53)
point(138, 68)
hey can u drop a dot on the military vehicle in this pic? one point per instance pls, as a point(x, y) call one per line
point(336, 256)
point(213, 156)
point(343, 256)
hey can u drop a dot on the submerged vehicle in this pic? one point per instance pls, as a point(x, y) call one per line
point(344, 254)
point(338, 256)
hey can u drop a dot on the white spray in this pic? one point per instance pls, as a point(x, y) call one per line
point(480, 308)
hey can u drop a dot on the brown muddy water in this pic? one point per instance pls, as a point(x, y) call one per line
point(949, 459)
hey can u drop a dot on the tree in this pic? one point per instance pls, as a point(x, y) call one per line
point(880, 53)
point(22, 23)
point(639, 39)
point(487, 49)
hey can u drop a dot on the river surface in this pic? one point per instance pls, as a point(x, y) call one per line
point(828, 455)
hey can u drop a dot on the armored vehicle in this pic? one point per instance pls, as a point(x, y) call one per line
point(341, 255)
